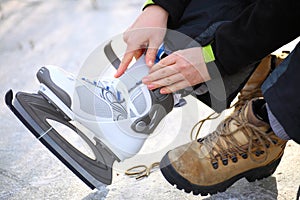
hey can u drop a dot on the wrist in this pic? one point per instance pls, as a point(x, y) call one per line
point(209, 59)
point(156, 8)
point(214, 67)
point(157, 13)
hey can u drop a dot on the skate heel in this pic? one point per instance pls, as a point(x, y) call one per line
point(58, 96)
point(47, 77)
point(262, 172)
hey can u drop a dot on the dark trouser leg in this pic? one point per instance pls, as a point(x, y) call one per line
point(282, 93)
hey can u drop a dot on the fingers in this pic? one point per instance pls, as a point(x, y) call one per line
point(174, 87)
point(127, 59)
point(150, 59)
point(134, 49)
point(124, 63)
point(170, 84)
point(150, 56)
point(177, 71)
point(167, 61)
point(167, 81)
point(129, 55)
point(151, 52)
point(163, 69)
point(139, 53)
point(163, 72)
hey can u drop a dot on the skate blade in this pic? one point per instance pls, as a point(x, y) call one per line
point(34, 112)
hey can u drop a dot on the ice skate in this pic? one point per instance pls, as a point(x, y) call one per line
point(114, 117)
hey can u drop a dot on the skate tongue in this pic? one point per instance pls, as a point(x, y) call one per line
point(124, 102)
point(112, 86)
point(119, 99)
point(137, 98)
point(139, 101)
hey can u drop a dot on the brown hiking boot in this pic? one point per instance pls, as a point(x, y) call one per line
point(242, 146)
point(252, 87)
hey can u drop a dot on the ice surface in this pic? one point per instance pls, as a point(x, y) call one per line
point(63, 33)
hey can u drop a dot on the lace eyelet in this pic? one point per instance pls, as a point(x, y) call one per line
point(244, 155)
point(215, 164)
point(259, 152)
point(225, 161)
point(234, 159)
point(274, 141)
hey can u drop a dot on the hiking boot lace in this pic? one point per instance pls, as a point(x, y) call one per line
point(223, 145)
point(244, 97)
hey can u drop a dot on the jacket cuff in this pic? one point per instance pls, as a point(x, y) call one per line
point(217, 61)
point(175, 8)
point(148, 3)
point(208, 54)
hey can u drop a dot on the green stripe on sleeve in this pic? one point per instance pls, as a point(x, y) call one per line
point(147, 3)
point(208, 54)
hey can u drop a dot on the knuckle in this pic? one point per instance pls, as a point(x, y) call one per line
point(129, 41)
point(126, 36)
point(175, 55)
point(183, 66)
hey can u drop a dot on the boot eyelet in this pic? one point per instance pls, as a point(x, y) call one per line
point(225, 161)
point(257, 153)
point(215, 164)
point(244, 155)
point(234, 159)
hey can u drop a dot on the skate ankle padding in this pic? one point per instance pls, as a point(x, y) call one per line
point(162, 104)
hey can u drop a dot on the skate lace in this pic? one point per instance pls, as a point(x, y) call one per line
point(112, 96)
point(230, 147)
point(141, 171)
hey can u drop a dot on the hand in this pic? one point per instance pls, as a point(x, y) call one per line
point(147, 31)
point(177, 71)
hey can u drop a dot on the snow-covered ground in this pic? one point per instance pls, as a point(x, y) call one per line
point(64, 33)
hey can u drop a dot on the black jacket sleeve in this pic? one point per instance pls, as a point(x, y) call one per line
point(175, 8)
point(260, 29)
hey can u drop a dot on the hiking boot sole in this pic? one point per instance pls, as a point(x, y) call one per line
point(174, 178)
